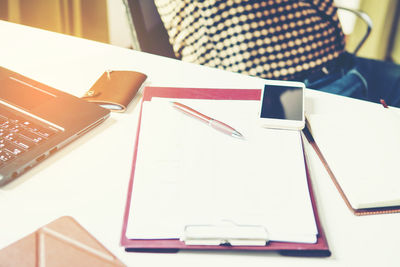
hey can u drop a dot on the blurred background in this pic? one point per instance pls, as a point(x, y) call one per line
point(135, 24)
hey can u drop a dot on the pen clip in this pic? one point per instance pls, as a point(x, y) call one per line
point(191, 112)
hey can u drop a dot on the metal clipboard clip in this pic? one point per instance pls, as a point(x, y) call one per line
point(226, 234)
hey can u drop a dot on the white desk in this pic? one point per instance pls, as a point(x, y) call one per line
point(88, 179)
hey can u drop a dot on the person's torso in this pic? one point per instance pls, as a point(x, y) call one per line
point(281, 39)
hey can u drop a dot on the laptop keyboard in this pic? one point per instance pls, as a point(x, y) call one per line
point(18, 135)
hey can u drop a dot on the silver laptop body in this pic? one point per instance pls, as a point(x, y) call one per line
point(37, 120)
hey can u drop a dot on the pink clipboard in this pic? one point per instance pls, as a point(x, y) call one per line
point(318, 249)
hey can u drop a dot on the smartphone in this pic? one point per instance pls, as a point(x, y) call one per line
point(282, 105)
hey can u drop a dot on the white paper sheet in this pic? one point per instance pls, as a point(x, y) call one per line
point(190, 174)
point(361, 147)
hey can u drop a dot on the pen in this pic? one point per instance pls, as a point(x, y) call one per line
point(383, 102)
point(386, 106)
point(220, 126)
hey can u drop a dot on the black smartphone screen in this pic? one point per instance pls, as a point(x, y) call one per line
point(282, 102)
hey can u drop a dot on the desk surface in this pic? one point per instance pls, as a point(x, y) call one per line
point(88, 179)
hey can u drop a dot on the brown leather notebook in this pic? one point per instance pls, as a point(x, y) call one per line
point(62, 242)
point(114, 90)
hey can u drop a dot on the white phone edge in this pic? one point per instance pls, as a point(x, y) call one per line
point(283, 123)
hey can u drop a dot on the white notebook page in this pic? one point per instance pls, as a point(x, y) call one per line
point(361, 147)
point(190, 174)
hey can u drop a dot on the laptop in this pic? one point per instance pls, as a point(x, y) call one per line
point(36, 121)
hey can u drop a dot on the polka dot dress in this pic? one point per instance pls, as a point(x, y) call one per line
point(280, 39)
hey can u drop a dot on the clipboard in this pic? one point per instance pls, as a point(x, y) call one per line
point(318, 249)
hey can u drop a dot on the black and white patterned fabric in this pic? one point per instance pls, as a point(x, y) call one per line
point(279, 39)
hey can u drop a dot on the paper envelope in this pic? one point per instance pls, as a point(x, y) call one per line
point(62, 242)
